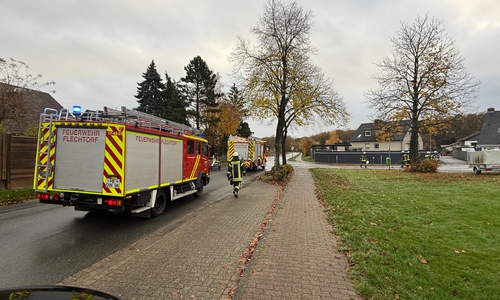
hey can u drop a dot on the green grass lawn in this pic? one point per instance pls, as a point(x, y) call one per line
point(416, 236)
point(16, 196)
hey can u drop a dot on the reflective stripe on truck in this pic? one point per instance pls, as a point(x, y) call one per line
point(113, 174)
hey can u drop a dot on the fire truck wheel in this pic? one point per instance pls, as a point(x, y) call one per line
point(199, 190)
point(160, 204)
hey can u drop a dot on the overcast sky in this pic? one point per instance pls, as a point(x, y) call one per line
point(97, 50)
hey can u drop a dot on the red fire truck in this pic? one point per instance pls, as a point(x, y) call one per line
point(119, 159)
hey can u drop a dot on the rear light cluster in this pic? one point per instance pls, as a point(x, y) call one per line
point(113, 202)
point(43, 196)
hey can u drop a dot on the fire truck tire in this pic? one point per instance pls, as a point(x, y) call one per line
point(160, 204)
point(199, 190)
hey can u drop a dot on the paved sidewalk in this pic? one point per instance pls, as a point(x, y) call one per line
point(297, 258)
point(200, 256)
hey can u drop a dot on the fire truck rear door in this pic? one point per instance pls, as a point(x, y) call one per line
point(79, 158)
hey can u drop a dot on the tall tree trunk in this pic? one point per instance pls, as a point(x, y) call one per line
point(277, 150)
point(283, 145)
point(414, 155)
point(280, 130)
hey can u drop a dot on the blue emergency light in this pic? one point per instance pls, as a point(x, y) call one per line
point(77, 110)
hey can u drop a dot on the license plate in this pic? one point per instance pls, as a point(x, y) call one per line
point(112, 183)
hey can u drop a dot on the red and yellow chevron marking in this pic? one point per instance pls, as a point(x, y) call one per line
point(113, 175)
point(44, 176)
point(230, 150)
point(251, 149)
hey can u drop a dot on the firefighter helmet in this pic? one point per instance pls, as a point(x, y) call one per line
point(236, 154)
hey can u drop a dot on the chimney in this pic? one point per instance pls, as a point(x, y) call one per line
point(491, 109)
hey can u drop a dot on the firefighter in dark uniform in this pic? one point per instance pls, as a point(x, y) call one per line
point(235, 172)
point(435, 156)
point(406, 159)
point(363, 160)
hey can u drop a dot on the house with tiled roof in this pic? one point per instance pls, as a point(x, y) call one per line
point(365, 138)
point(489, 138)
point(29, 104)
point(468, 142)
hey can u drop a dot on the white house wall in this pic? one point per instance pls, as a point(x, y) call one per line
point(386, 146)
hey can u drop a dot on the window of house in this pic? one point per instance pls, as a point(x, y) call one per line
point(367, 146)
point(377, 145)
point(368, 133)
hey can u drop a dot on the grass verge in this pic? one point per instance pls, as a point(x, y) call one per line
point(8, 197)
point(416, 236)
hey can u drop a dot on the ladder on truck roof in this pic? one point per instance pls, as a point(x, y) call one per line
point(45, 141)
point(140, 118)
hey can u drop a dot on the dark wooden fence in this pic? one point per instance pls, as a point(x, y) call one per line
point(17, 163)
point(353, 157)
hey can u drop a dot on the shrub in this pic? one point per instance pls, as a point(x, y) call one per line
point(424, 166)
point(282, 172)
point(288, 168)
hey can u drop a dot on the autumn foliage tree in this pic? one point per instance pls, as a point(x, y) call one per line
point(229, 119)
point(333, 138)
point(423, 80)
point(306, 144)
point(280, 81)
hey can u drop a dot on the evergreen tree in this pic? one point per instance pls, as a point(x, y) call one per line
point(236, 100)
point(244, 130)
point(200, 83)
point(175, 105)
point(151, 92)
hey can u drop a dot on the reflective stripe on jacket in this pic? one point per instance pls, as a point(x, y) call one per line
point(236, 169)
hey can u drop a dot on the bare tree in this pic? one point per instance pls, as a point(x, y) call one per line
point(278, 78)
point(424, 81)
point(17, 85)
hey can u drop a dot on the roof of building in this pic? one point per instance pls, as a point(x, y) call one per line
point(31, 104)
point(490, 132)
point(471, 137)
point(361, 133)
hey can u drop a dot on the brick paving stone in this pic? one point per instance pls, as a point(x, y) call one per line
point(198, 257)
point(298, 246)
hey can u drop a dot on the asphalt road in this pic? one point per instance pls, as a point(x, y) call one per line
point(43, 244)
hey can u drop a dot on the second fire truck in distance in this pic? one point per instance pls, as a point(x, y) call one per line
point(252, 151)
